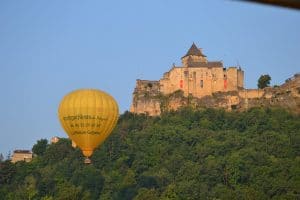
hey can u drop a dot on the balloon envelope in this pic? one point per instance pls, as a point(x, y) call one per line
point(88, 116)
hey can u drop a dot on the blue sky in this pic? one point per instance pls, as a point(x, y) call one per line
point(49, 48)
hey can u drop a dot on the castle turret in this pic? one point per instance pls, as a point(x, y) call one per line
point(194, 55)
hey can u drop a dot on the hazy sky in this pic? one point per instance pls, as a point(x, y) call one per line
point(49, 48)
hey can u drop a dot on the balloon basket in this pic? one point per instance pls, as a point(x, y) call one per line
point(87, 161)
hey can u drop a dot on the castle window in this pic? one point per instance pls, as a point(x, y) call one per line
point(186, 74)
point(201, 83)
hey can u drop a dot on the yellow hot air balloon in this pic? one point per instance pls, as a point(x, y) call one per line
point(88, 116)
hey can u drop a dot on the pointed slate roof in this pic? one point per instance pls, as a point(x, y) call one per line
point(194, 51)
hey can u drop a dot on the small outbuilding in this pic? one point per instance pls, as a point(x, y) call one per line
point(21, 155)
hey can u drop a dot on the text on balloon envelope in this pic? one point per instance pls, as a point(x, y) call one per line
point(80, 117)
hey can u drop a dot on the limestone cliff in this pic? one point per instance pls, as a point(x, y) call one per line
point(148, 99)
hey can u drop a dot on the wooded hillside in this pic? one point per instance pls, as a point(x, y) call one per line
point(207, 154)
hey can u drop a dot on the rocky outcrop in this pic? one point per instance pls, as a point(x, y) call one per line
point(149, 100)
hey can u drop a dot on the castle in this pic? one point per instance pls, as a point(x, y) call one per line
point(199, 77)
point(204, 83)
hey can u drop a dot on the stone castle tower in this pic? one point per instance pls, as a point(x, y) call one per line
point(199, 77)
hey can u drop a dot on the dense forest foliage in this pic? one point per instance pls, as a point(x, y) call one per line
point(206, 154)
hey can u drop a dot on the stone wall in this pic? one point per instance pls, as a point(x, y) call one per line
point(285, 96)
point(251, 93)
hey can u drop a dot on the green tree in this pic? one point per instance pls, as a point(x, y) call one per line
point(58, 151)
point(1, 157)
point(26, 190)
point(30, 187)
point(264, 81)
point(90, 179)
point(146, 194)
point(40, 147)
point(7, 171)
point(68, 191)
